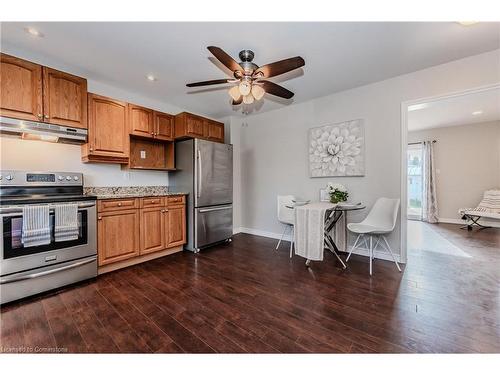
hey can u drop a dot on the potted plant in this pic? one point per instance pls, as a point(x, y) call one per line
point(338, 193)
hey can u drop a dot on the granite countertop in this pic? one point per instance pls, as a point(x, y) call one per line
point(116, 192)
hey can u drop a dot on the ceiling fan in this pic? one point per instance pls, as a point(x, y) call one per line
point(250, 78)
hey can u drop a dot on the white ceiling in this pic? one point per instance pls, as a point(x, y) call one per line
point(456, 111)
point(338, 56)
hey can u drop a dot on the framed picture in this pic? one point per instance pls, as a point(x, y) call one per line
point(337, 150)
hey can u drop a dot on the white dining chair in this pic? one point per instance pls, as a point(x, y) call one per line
point(286, 216)
point(380, 221)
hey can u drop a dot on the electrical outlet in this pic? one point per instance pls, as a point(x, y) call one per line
point(143, 154)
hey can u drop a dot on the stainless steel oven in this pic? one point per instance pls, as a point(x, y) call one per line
point(26, 271)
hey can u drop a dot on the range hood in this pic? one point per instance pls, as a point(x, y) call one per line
point(42, 131)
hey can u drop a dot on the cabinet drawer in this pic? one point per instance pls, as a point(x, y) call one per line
point(117, 204)
point(152, 202)
point(176, 199)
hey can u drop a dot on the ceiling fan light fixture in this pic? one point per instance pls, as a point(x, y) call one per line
point(245, 87)
point(248, 99)
point(234, 92)
point(257, 92)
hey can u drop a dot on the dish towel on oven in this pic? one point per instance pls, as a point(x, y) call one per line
point(66, 222)
point(36, 225)
point(309, 230)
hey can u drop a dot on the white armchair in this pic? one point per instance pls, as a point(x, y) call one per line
point(286, 216)
point(380, 221)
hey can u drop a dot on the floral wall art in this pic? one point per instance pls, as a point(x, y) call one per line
point(337, 150)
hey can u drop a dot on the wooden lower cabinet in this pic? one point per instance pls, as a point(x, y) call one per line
point(176, 225)
point(118, 234)
point(132, 234)
point(153, 229)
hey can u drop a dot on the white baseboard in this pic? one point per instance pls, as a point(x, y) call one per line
point(487, 223)
point(383, 255)
point(258, 232)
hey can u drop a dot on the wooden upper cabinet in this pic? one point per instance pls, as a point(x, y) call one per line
point(20, 89)
point(141, 121)
point(164, 126)
point(188, 125)
point(64, 99)
point(215, 131)
point(108, 131)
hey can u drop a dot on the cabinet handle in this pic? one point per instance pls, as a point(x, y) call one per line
point(119, 204)
point(99, 218)
point(46, 117)
point(40, 116)
point(152, 133)
point(91, 149)
point(163, 211)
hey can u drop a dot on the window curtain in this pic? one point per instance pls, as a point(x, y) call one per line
point(429, 204)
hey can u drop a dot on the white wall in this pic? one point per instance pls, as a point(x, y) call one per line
point(19, 154)
point(274, 144)
point(467, 160)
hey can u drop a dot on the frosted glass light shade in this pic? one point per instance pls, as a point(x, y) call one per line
point(257, 92)
point(234, 92)
point(245, 87)
point(248, 99)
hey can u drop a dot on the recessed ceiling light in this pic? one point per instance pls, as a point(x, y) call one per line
point(151, 78)
point(467, 23)
point(416, 107)
point(34, 32)
point(476, 113)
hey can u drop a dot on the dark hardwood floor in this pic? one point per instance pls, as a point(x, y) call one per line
point(246, 297)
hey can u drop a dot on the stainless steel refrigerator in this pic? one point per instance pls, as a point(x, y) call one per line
point(205, 172)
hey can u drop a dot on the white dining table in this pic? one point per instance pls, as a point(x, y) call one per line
point(333, 214)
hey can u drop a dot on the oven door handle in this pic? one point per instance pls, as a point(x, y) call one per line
point(19, 209)
point(7, 280)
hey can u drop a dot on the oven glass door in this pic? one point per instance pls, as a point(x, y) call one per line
point(12, 236)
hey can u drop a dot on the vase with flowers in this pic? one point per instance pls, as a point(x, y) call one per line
point(338, 193)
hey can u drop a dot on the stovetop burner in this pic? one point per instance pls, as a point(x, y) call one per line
point(19, 187)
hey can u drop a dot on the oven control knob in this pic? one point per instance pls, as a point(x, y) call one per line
point(9, 177)
point(68, 178)
point(60, 178)
point(75, 178)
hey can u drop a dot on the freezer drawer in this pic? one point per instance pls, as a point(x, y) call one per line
point(213, 224)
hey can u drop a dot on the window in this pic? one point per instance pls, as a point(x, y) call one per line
point(414, 160)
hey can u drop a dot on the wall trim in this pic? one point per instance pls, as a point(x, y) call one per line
point(378, 254)
point(488, 223)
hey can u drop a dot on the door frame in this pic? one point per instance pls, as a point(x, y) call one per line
point(404, 150)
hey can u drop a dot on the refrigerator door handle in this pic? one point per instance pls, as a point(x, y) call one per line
point(199, 174)
point(215, 209)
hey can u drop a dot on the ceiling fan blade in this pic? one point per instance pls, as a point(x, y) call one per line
point(279, 67)
point(239, 101)
point(225, 59)
point(276, 90)
point(211, 82)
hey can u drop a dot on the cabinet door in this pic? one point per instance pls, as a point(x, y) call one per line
point(141, 121)
point(152, 229)
point(64, 98)
point(194, 126)
point(215, 131)
point(108, 131)
point(164, 126)
point(20, 89)
point(176, 226)
point(117, 236)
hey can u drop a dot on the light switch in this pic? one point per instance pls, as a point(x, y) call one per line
point(143, 154)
